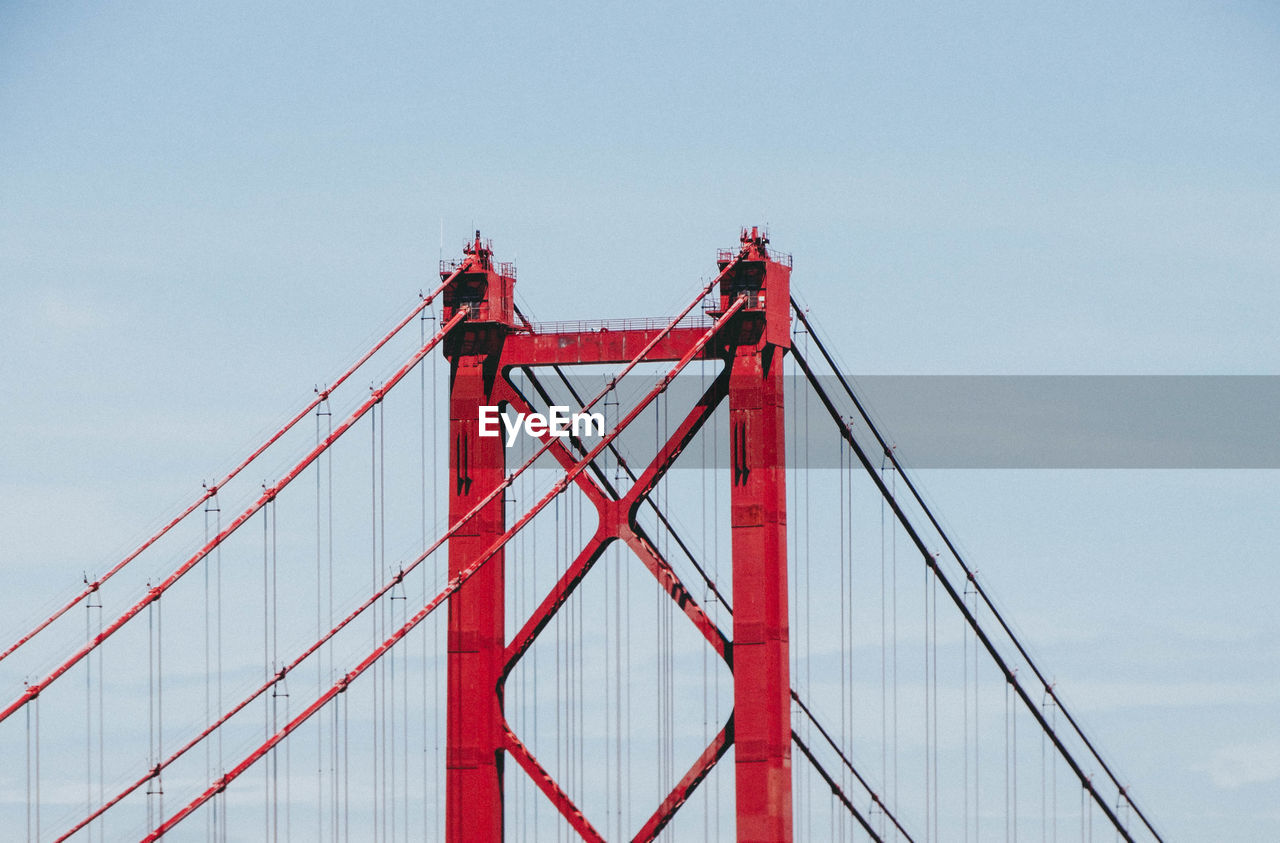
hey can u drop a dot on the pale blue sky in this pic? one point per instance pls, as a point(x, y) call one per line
point(205, 211)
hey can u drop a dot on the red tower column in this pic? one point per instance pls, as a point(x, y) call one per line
point(761, 674)
point(475, 738)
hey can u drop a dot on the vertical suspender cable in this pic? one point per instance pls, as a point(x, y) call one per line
point(102, 778)
point(159, 604)
point(664, 651)
point(808, 586)
point(435, 644)
point(609, 668)
point(582, 667)
point(320, 721)
point(335, 812)
point(422, 479)
point(266, 668)
point(30, 812)
point(1044, 779)
point(847, 477)
point(88, 718)
point(211, 818)
point(151, 706)
point(884, 654)
point(627, 685)
point(346, 768)
point(526, 482)
point(376, 617)
point(977, 744)
point(570, 658)
point(623, 782)
point(267, 802)
point(928, 782)
point(715, 567)
point(933, 586)
point(219, 806)
point(893, 641)
point(964, 681)
point(275, 694)
point(404, 717)
point(288, 779)
point(335, 807)
point(706, 600)
point(389, 699)
point(1007, 812)
point(37, 742)
point(844, 656)
point(559, 646)
point(1054, 778)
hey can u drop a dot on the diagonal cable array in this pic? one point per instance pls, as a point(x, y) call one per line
point(931, 563)
point(212, 490)
point(154, 593)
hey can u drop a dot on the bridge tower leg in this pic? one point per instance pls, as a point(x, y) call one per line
point(761, 673)
point(474, 734)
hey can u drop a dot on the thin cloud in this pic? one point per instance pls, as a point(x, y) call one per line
point(66, 314)
point(1237, 765)
point(1105, 696)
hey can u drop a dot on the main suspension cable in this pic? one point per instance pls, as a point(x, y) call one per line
point(154, 592)
point(969, 573)
point(931, 561)
point(875, 797)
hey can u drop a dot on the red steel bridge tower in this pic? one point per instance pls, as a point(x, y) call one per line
point(751, 334)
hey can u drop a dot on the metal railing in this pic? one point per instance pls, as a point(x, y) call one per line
point(591, 326)
point(726, 255)
point(504, 268)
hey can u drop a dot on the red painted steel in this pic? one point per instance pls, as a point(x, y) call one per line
point(687, 784)
point(548, 786)
point(617, 521)
point(474, 733)
point(752, 346)
point(758, 515)
point(528, 349)
point(476, 659)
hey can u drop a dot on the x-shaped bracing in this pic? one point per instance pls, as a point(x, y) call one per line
point(617, 521)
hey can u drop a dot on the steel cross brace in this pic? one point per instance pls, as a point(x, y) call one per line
point(548, 785)
point(617, 521)
point(685, 787)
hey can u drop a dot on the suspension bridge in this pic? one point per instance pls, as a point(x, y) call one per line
point(728, 614)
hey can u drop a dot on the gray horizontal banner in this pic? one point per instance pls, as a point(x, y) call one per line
point(996, 421)
point(1137, 421)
